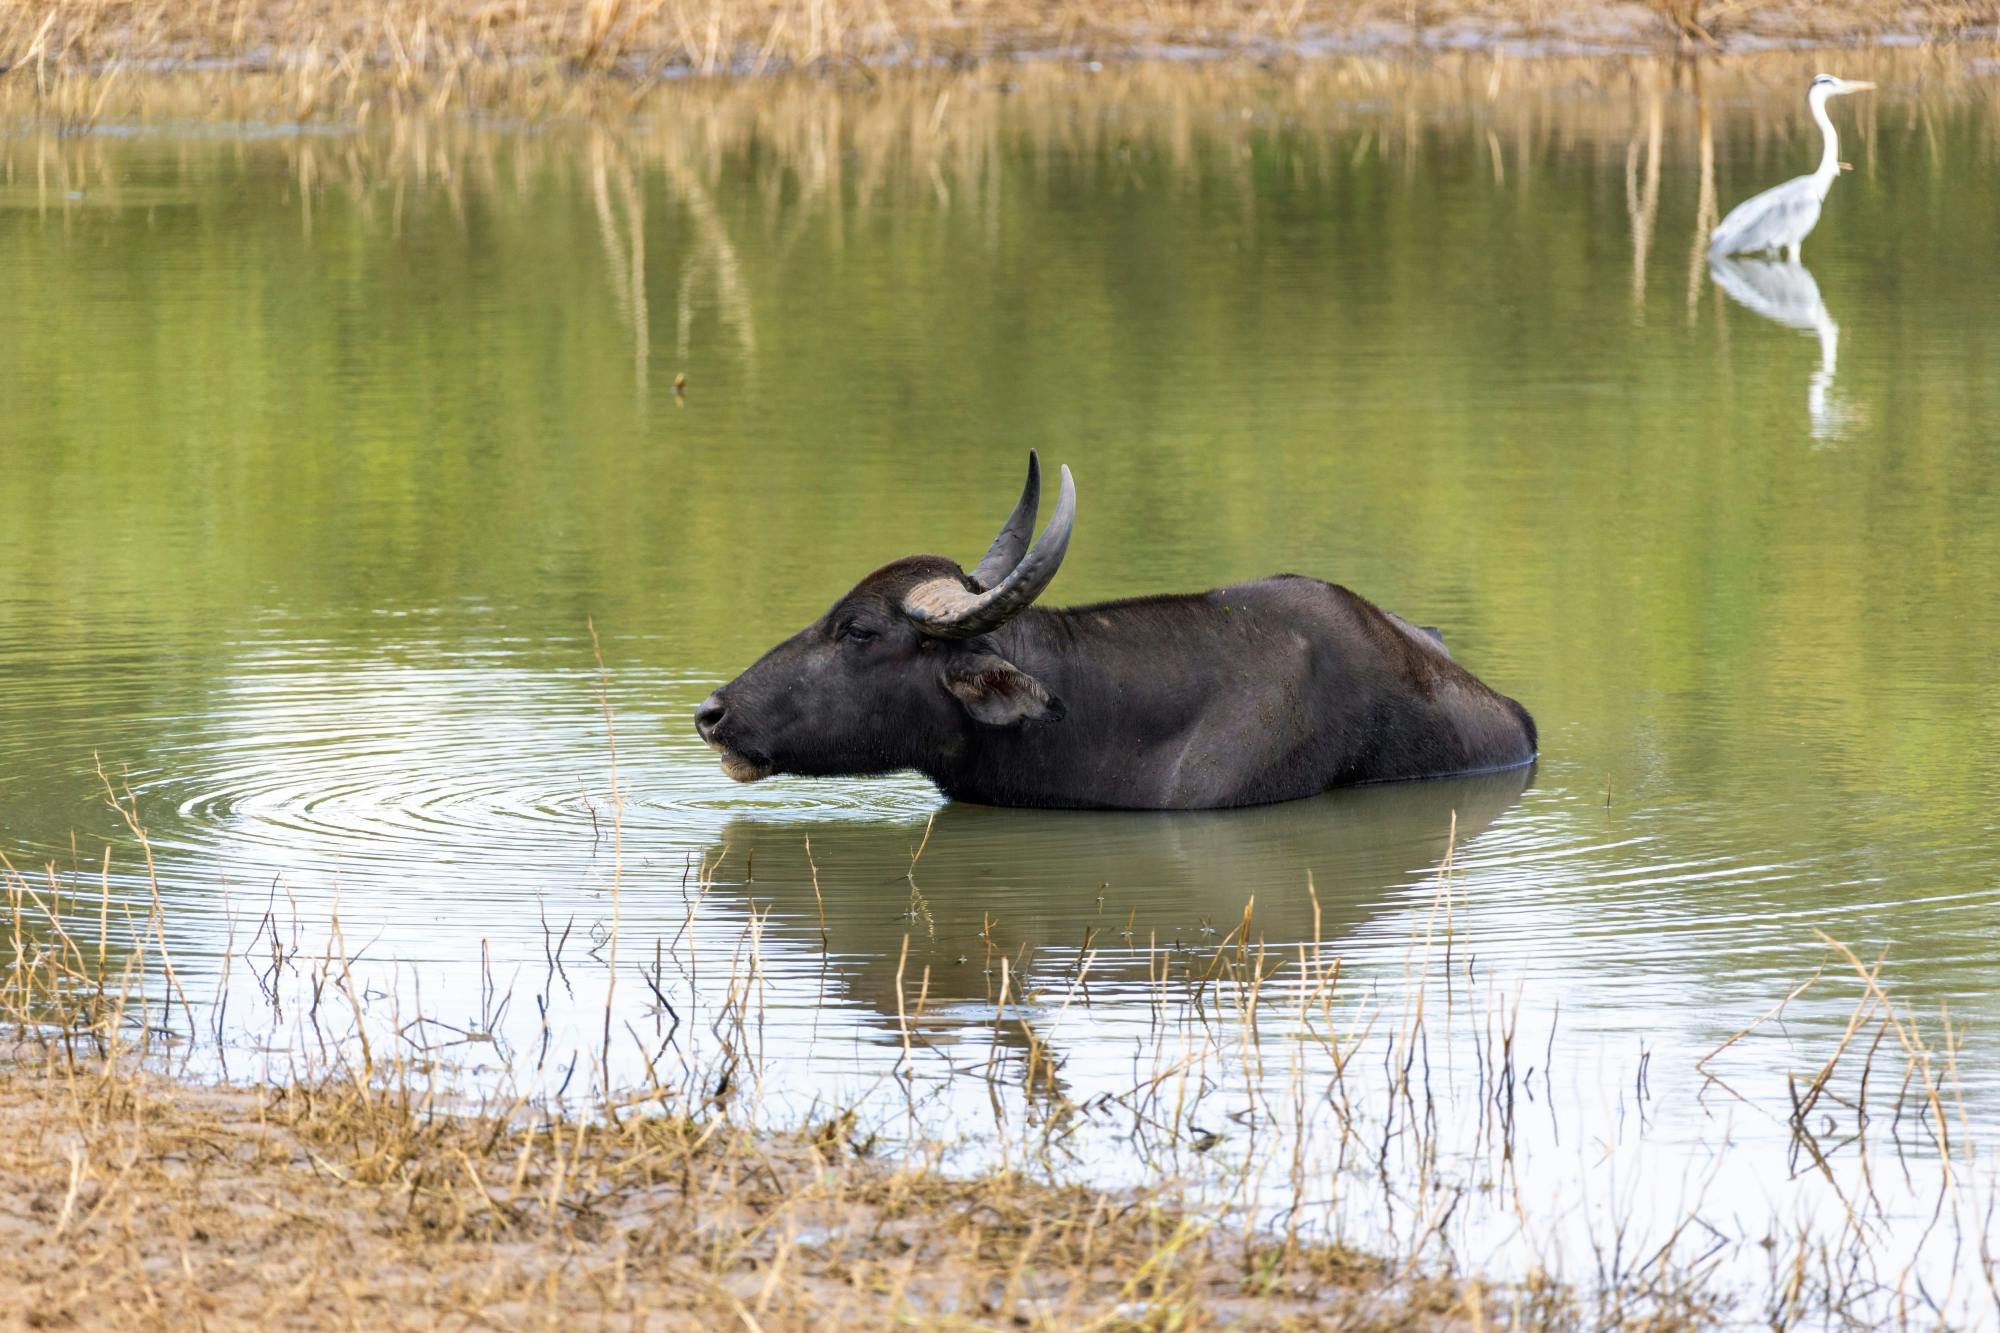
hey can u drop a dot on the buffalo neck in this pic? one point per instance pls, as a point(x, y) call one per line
point(1110, 667)
point(1055, 646)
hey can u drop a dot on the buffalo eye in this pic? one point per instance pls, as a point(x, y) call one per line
point(856, 634)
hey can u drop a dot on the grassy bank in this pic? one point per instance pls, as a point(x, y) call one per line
point(447, 48)
point(380, 1174)
point(131, 1200)
point(371, 1187)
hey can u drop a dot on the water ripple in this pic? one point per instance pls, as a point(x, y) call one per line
point(494, 780)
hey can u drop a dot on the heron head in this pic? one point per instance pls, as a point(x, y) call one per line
point(1828, 85)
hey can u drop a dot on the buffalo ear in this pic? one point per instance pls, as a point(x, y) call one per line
point(999, 694)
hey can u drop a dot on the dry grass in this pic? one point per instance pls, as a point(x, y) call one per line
point(134, 1200)
point(469, 50)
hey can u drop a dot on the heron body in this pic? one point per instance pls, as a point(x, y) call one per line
point(1783, 216)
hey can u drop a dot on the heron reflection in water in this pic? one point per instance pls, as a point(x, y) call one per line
point(1783, 291)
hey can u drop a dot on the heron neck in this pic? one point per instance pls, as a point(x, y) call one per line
point(1829, 160)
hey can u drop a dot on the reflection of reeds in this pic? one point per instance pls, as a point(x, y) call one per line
point(1642, 203)
point(720, 190)
point(827, 154)
point(624, 252)
point(1706, 211)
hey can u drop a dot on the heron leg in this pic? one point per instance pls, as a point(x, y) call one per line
point(1792, 251)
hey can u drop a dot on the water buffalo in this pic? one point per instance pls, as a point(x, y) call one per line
point(1264, 691)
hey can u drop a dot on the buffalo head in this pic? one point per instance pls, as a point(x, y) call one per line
point(901, 670)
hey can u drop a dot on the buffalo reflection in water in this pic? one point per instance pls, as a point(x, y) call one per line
point(1029, 885)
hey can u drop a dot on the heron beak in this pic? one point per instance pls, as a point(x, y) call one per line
point(1857, 86)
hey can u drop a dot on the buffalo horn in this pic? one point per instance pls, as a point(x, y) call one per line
point(944, 609)
point(1012, 543)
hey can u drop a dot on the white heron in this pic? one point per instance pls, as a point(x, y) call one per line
point(1783, 216)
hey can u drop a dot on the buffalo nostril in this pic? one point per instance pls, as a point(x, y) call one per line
point(709, 716)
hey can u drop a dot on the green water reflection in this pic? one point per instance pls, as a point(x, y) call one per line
point(288, 415)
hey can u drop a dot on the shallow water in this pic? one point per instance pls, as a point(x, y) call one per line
point(324, 454)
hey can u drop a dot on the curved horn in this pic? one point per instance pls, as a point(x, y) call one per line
point(1012, 543)
point(943, 609)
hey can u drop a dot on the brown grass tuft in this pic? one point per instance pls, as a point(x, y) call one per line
point(129, 1199)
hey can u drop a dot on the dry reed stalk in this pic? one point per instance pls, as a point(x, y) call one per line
point(617, 847)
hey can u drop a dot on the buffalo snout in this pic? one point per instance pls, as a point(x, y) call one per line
point(709, 716)
point(738, 764)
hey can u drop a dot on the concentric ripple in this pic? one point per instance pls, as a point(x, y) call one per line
point(411, 786)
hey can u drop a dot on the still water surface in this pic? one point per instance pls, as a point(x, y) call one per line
point(323, 452)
